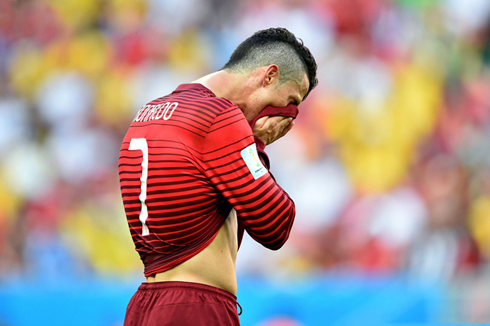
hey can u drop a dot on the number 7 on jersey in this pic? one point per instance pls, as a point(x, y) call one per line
point(140, 144)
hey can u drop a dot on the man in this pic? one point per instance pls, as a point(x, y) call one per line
point(192, 180)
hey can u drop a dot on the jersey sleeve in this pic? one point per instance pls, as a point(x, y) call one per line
point(232, 165)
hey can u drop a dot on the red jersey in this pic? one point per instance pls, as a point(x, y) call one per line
point(186, 160)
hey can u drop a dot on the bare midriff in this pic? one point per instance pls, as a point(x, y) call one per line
point(215, 265)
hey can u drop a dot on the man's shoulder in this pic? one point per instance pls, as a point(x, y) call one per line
point(218, 104)
point(200, 99)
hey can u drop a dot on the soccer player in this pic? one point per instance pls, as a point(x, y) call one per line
point(194, 176)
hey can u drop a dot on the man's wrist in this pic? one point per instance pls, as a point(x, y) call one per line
point(260, 144)
point(261, 151)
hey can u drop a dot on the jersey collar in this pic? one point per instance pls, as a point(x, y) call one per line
point(194, 87)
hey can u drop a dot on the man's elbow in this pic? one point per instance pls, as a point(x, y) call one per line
point(278, 243)
point(277, 246)
point(283, 235)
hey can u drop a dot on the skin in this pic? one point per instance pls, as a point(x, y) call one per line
point(252, 92)
point(255, 90)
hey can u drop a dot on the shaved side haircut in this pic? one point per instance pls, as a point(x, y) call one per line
point(275, 46)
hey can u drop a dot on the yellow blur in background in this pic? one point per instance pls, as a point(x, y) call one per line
point(388, 162)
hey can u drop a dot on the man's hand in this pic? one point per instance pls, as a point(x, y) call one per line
point(269, 129)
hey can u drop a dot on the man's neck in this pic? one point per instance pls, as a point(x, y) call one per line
point(234, 87)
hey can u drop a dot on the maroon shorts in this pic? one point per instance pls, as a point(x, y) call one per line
point(181, 304)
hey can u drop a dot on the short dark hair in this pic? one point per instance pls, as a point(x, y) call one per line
point(275, 46)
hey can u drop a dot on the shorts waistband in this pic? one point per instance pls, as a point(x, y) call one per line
point(186, 285)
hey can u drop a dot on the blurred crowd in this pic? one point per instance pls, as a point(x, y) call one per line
point(388, 161)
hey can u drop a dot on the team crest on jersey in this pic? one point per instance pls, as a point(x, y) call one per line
point(251, 158)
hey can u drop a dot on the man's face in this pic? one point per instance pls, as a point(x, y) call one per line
point(278, 95)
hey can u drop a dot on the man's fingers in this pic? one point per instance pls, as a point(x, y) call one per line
point(288, 128)
point(271, 128)
point(279, 124)
point(272, 123)
point(285, 123)
point(259, 124)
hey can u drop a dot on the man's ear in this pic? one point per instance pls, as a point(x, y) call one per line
point(271, 75)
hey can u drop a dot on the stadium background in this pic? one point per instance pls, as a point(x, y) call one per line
point(388, 163)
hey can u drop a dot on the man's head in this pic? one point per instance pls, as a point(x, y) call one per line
point(278, 64)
